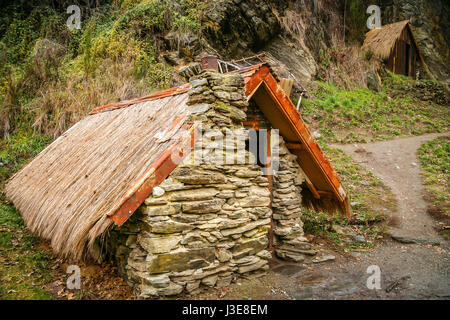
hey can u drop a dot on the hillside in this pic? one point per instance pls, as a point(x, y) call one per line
point(51, 77)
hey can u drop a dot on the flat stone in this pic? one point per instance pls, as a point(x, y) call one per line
point(137, 264)
point(158, 245)
point(290, 255)
point(264, 254)
point(210, 281)
point(261, 212)
point(207, 206)
point(326, 257)
point(194, 236)
point(254, 201)
point(414, 240)
point(302, 245)
point(169, 226)
point(252, 267)
point(171, 290)
point(250, 233)
point(282, 231)
point(247, 227)
point(192, 286)
point(164, 210)
point(155, 201)
point(225, 281)
point(247, 260)
point(196, 176)
point(198, 108)
point(233, 223)
point(180, 260)
point(173, 187)
point(193, 194)
point(198, 82)
point(249, 246)
point(158, 281)
point(223, 255)
point(285, 247)
point(259, 191)
point(158, 192)
point(246, 173)
point(222, 95)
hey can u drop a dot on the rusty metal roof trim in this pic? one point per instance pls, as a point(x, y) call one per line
point(155, 174)
point(154, 96)
point(262, 75)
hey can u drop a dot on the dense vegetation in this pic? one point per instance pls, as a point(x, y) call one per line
point(51, 76)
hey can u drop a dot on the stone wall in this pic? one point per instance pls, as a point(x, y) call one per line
point(290, 243)
point(203, 226)
point(288, 238)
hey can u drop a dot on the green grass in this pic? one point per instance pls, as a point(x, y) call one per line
point(24, 268)
point(434, 156)
point(362, 115)
point(18, 150)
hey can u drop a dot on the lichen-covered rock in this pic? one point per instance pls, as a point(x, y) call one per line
point(158, 244)
point(237, 27)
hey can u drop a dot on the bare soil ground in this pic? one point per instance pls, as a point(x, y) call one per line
point(408, 271)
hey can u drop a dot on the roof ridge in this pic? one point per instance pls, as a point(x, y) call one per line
point(153, 96)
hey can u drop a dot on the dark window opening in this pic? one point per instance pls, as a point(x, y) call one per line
point(258, 146)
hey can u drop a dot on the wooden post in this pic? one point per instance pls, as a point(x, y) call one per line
point(269, 173)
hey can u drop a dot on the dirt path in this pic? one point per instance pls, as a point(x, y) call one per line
point(396, 164)
point(408, 271)
point(415, 270)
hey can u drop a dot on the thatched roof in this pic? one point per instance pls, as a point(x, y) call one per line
point(381, 41)
point(65, 193)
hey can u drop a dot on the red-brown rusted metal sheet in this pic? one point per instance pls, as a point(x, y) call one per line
point(261, 75)
point(159, 170)
point(154, 96)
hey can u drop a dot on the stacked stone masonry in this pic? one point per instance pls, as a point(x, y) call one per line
point(208, 223)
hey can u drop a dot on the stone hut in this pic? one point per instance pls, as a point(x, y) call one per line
point(185, 188)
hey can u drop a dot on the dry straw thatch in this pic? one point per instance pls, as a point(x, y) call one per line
point(64, 193)
point(381, 41)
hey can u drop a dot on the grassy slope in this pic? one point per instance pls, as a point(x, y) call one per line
point(24, 268)
point(434, 156)
point(362, 115)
